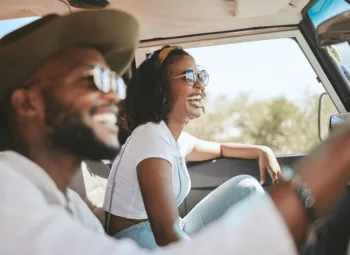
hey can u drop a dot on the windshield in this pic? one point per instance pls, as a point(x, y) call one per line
point(339, 53)
point(7, 26)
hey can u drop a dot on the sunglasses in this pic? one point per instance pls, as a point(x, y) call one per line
point(106, 81)
point(192, 77)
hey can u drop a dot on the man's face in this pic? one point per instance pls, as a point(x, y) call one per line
point(76, 115)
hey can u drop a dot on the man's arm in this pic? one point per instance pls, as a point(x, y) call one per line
point(333, 237)
point(253, 227)
point(29, 225)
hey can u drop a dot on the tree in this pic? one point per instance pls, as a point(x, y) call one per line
point(285, 126)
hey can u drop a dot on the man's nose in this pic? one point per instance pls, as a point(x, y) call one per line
point(112, 97)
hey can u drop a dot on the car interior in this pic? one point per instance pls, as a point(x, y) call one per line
point(206, 23)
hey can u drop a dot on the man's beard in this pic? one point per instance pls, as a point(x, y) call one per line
point(69, 132)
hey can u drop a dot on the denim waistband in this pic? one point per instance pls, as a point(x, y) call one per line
point(145, 225)
point(142, 226)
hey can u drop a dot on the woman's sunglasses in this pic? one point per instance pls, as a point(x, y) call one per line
point(106, 81)
point(192, 77)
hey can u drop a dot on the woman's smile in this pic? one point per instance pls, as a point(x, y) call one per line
point(195, 100)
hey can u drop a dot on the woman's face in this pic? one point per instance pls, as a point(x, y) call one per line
point(186, 98)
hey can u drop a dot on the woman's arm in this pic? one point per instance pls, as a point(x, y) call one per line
point(204, 150)
point(155, 180)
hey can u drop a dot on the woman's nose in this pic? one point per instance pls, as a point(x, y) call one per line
point(199, 85)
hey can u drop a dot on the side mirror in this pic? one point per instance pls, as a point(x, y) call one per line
point(326, 110)
point(337, 120)
point(334, 30)
point(319, 117)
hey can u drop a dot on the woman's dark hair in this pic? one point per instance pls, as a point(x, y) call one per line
point(148, 92)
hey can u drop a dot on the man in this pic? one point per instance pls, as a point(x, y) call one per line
point(334, 235)
point(59, 101)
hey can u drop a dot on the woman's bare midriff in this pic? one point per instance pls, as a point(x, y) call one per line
point(118, 224)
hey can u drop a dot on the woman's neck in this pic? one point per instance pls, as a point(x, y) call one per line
point(176, 127)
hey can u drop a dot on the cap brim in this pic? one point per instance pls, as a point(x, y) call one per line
point(114, 33)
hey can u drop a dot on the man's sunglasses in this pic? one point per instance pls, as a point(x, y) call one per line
point(106, 81)
point(192, 77)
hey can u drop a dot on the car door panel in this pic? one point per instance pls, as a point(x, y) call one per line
point(208, 175)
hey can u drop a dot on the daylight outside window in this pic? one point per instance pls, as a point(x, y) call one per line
point(261, 92)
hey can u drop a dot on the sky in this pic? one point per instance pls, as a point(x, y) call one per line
point(6, 26)
point(264, 69)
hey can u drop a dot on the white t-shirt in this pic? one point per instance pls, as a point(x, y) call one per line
point(150, 140)
point(34, 221)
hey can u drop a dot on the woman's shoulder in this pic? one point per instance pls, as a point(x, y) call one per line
point(148, 141)
point(149, 131)
point(149, 127)
point(186, 142)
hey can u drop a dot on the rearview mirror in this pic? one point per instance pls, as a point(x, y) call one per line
point(337, 120)
point(334, 30)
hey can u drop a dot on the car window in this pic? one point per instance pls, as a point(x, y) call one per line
point(7, 26)
point(261, 92)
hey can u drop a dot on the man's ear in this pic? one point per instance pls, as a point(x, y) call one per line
point(27, 103)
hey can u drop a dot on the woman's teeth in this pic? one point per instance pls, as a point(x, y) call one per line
point(195, 100)
point(105, 118)
point(196, 97)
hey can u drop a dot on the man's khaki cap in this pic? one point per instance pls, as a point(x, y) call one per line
point(114, 33)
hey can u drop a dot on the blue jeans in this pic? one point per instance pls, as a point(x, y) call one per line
point(212, 207)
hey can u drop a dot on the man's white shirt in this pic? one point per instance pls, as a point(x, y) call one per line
point(36, 218)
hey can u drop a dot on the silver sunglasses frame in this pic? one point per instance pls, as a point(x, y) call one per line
point(98, 72)
point(184, 75)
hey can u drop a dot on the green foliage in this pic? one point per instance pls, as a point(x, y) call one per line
point(286, 127)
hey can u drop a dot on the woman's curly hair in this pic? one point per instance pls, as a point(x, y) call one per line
point(148, 91)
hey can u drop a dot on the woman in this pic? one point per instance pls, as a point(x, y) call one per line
point(149, 178)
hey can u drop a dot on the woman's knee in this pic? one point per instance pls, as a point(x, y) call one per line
point(246, 181)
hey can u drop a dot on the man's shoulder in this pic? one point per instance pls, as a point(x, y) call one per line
point(83, 212)
point(8, 173)
point(15, 189)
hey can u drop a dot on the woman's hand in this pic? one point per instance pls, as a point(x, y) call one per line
point(268, 163)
